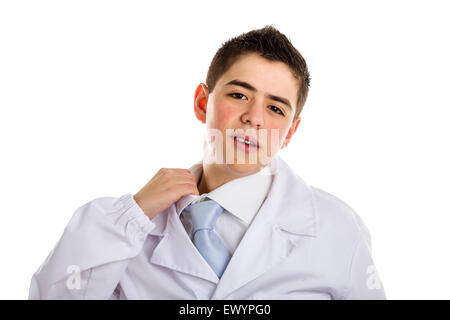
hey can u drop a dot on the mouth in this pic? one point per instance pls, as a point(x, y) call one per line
point(247, 143)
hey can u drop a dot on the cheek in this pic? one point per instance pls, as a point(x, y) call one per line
point(224, 116)
point(272, 132)
point(273, 128)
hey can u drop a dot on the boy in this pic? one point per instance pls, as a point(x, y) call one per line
point(240, 224)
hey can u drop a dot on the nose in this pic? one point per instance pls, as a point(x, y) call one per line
point(254, 115)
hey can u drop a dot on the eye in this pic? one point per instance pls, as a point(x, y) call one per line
point(236, 93)
point(277, 109)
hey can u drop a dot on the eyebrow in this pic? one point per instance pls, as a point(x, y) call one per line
point(252, 88)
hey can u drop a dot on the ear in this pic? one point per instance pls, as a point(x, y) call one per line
point(200, 102)
point(291, 132)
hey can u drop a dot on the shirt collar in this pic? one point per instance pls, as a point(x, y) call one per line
point(241, 197)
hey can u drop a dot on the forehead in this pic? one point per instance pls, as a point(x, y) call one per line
point(271, 77)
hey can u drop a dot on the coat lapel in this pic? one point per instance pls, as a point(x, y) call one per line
point(288, 207)
point(176, 250)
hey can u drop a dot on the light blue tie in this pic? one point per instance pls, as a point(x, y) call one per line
point(204, 215)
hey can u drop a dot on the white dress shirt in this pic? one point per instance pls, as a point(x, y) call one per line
point(241, 199)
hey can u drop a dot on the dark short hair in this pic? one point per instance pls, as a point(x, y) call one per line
point(270, 44)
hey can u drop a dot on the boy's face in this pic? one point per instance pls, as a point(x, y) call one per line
point(244, 110)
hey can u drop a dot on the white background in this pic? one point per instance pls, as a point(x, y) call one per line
point(96, 96)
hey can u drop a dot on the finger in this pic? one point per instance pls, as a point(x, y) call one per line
point(185, 175)
point(188, 188)
point(190, 176)
point(185, 180)
point(178, 170)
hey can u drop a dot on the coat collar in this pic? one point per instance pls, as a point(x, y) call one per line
point(288, 207)
point(292, 205)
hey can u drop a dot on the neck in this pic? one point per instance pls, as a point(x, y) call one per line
point(211, 179)
point(214, 176)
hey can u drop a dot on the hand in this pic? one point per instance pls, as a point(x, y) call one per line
point(166, 187)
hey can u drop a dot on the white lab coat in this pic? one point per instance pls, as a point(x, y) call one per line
point(304, 243)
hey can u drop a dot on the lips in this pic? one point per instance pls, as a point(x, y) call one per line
point(247, 138)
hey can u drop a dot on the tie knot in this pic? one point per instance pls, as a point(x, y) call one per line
point(204, 214)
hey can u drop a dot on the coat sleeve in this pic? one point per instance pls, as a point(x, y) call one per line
point(364, 281)
point(93, 252)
